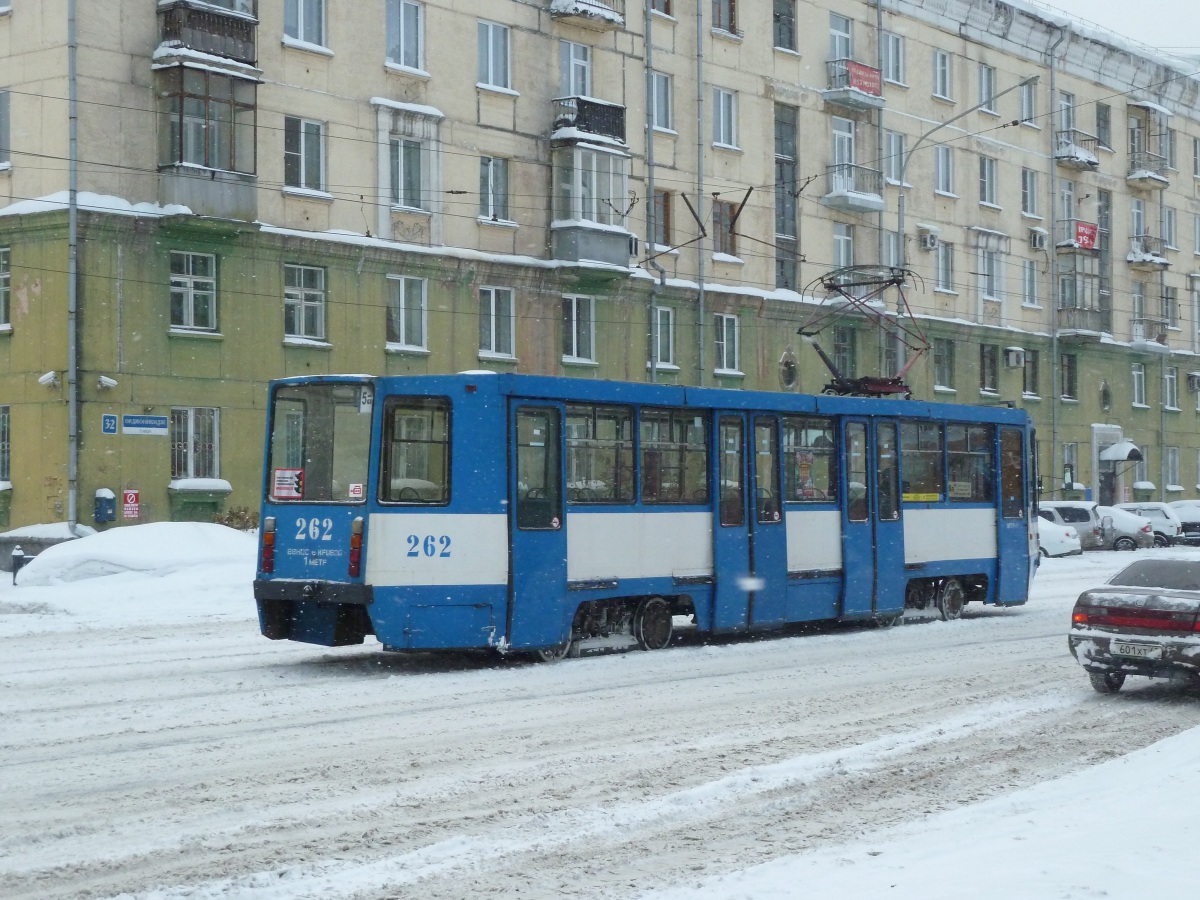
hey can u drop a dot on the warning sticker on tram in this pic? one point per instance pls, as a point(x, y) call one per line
point(288, 484)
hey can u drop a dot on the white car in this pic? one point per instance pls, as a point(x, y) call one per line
point(1189, 517)
point(1168, 529)
point(1057, 540)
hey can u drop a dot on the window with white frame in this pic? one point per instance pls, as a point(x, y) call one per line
point(893, 161)
point(5, 285)
point(784, 22)
point(5, 445)
point(1171, 387)
point(891, 249)
point(1029, 192)
point(1029, 103)
point(1172, 461)
point(1137, 217)
point(1196, 157)
point(663, 6)
point(1196, 235)
point(661, 98)
point(1170, 306)
point(663, 224)
point(943, 169)
point(1169, 229)
point(1169, 143)
point(193, 291)
point(941, 74)
point(575, 69)
point(195, 442)
point(843, 245)
point(304, 302)
point(1066, 199)
point(987, 180)
point(590, 185)
point(303, 154)
point(724, 117)
point(497, 316)
point(1141, 468)
point(304, 20)
point(892, 46)
point(408, 172)
point(406, 312)
point(1137, 380)
point(406, 34)
point(1029, 282)
point(493, 188)
point(494, 67)
point(1104, 125)
point(841, 37)
point(943, 363)
point(945, 266)
point(990, 275)
point(727, 343)
point(1066, 111)
point(1029, 376)
point(578, 328)
point(1069, 376)
point(662, 336)
point(723, 231)
point(987, 88)
point(725, 18)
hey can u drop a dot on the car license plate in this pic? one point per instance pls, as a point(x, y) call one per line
point(1136, 651)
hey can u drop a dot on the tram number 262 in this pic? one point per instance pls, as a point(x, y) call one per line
point(429, 545)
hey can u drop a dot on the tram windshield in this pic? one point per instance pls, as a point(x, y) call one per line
point(320, 443)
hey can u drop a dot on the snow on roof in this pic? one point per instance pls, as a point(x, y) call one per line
point(51, 531)
point(93, 203)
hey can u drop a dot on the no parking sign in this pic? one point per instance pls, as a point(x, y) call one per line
point(131, 503)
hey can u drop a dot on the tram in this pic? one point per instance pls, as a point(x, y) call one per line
point(532, 513)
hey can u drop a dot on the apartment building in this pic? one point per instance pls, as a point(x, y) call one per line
point(279, 187)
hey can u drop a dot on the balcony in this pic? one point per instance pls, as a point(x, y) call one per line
point(206, 29)
point(1076, 149)
point(598, 15)
point(1081, 325)
point(1148, 333)
point(1146, 254)
point(1076, 236)
point(1147, 170)
point(853, 85)
point(853, 188)
point(589, 117)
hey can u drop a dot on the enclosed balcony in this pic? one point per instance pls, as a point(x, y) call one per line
point(1148, 330)
point(853, 188)
point(1077, 324)
point(853, 85)
point(1076, 149)
point(588, 117)
point(1147, 170)
point(1076, 236)
point(598, 15)
point(219, 27)
point(1146, 254)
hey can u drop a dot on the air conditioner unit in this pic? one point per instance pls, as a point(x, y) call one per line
point(1014, 357)
point(929, 240)
point(1193, 382)
point(1037, 239)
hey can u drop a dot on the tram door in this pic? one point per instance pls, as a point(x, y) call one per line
point(872, 530)
point(1013, 525)
point(538, 529)
point(749, 542)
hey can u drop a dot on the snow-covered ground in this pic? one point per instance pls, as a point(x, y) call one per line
point(154, 745)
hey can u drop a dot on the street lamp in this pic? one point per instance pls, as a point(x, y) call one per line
point(1032, 79)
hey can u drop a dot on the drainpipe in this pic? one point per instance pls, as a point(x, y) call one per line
point(72, 277)
point(703, 317)
point(1054, 363)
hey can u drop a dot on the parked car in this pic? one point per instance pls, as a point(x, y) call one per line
point(1128, 530)
point(1057, 540)
point(1081, 515)
point(1145, 620)
point(1189, 519)
point(1168, 529)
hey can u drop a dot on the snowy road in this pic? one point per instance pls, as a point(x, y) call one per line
point(154, 745)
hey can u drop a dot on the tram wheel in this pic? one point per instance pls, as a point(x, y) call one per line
point(652, 625)
point(951, 600)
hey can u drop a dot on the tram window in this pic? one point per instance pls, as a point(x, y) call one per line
point(887, 483)
point(320, 443)
point(599, 454)
point(674, 456)
point(809, 460)
point(856, 472)
point(766, 470)
point(416, 451)
point(539, 480)
point(969, 450)
point(1012, 474)
point(921, 461)
point(732, 482)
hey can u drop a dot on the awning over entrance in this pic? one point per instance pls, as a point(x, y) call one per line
point(1122, 451)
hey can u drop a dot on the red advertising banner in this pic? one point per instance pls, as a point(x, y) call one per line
point(864, 78)
point(1085, 235)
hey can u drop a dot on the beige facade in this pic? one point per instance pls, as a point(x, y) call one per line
point(495, 152)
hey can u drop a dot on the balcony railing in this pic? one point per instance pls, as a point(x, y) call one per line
point(1147, 169)
point(590, 116)
point(1146, 252)
point(1148, 328)
point(853, 188)
point(1075, 234)
point(1076, 318)
point(601, 15)
point(853, 84)
point(208, 30)
point(1076, 149)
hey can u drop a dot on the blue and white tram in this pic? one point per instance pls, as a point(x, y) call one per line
point(530, 513)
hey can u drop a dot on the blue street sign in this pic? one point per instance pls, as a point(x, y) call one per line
point(108, 424)
point(154, 425)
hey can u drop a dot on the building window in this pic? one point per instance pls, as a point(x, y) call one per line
point(843, 245)
point(1029, 282)
point(1066, 111)
point(987, 88)
point(193, 291)
point(206, 119)
point(785, 195)
point(1170, 306)
point(943, 363)
point(989, 368)
point(1104, 125)
point(724, 236)
point(493, 56)
point(575, 69)
point(662, 335)
point(304, 302)
point(1172, 461)
point(405, 34)
point(943, 169)
point(941, 74)
point(893, 57)
point(724, 15)
point(1171, 387)
point(1069, 367)
point(1029, 192)
point(662, 6)
point(1196, 157)
point(845, 355)
point(1169, 230)
point(406, 312)
point(1029, 376)
point(662, 218)
point(496, 320)
point(661, 98)
point(493, 188)
point(1138, 384)
point(408, 166)
point(303, 154)
point(987, 180)
point(990, 275)
point(727, 343)
point(893, 156)
point(724, 118)
point(590, 185)
point(195, 449)
point(304, 20)
point(5, 445)
point(945, 267)
point(1029, 104)
point(1196, 235)
point(579, 319)
point(5, 285)
point(1141, 470)
point(784, 16)
point(841, 37)
point(1169, 142)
